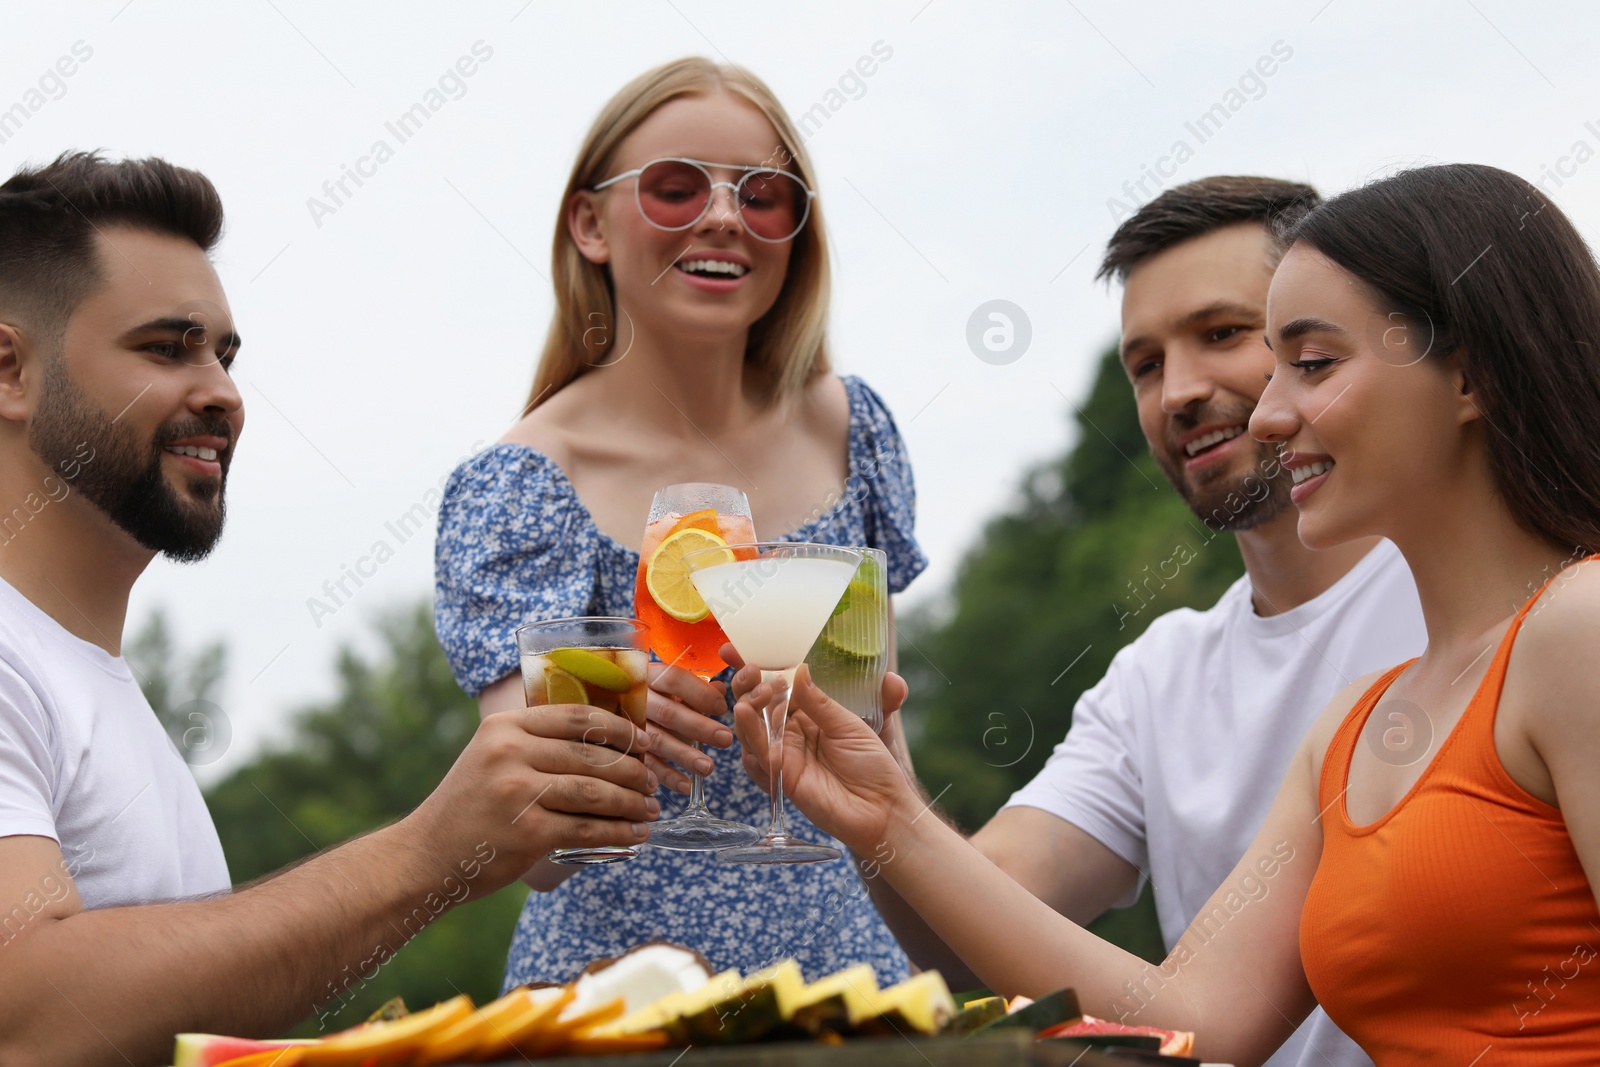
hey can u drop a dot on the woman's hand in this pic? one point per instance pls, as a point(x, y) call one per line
point(835, 768)
point(681, 710)
point(746, 679)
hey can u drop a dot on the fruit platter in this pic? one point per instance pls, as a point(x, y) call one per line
point(649, 1006)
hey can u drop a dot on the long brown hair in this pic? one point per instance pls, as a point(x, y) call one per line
point(1489, 268)
point(786, 346)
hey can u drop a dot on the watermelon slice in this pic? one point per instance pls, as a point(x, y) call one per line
point(1173, 1042)
point(209, 1050)
point(1053, 1010)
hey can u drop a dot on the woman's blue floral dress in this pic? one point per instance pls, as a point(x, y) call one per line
point(516, 545)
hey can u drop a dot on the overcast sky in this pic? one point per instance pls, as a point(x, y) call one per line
point(986, 157)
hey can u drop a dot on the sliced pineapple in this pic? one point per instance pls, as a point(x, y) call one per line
point(757, 1008)
point(839, 1002)
point(693, 1004)
point(922, 1003)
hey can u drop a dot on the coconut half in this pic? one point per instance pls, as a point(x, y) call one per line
point(639, 978)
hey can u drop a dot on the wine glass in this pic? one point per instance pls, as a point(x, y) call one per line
point(684, 518)
point(772, 599)
point(594, 660)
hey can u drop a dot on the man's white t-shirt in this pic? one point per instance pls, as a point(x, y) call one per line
point(1174, 758)
point(85, 762)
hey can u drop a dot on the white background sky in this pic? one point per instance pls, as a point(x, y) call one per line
point(977, 164)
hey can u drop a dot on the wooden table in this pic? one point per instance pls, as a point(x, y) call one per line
point(1013, 1049)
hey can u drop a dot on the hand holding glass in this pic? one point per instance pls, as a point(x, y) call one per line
point(593, 660)
point(772, 599)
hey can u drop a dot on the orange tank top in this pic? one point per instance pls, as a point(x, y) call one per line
point(1458, 928)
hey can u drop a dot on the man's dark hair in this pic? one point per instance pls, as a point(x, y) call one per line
point(49, 216)
point(1198, 207)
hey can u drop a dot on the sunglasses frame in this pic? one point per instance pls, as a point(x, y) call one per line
point(733, 188)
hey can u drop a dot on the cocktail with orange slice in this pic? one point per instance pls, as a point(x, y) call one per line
point(684, 518)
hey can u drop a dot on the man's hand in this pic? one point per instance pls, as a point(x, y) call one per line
point(536, 779)
point(683, 709)
point(113, 984)
point(835, 768)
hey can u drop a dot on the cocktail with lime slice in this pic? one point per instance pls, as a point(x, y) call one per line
point(593, 660)
point(851, 654)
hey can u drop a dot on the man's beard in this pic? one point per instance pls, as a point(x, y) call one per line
point(1222, 502)
point(123, 478)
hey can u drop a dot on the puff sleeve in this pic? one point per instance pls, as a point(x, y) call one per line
point(880, 472)
point(514, 546)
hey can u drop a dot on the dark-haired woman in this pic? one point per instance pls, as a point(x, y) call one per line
point(1424, 870)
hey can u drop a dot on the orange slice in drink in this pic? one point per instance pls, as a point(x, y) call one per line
point(705, 519)
point(666, 576)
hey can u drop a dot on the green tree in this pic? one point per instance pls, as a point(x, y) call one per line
point(1052, 590)
point(180, 688)
point(358, 761)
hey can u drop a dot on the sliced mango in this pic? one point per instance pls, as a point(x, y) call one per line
point(382, 1043)
point(279, 1057)
point(585, 1045)
point(482, 1030)
point(555, 1037)
point(551, 1002)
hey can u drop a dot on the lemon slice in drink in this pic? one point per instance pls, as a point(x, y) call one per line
point(667, 575)
point(562, 688)
point(591, 667)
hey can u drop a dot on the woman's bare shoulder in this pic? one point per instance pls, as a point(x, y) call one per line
point(1553, 665)
point(825, 406)
point(1332, 716)
point(1569, 606)
point(548, 427)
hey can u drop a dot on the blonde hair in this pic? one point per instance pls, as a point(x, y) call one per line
point(786, 347)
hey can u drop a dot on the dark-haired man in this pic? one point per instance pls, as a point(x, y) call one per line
point(118, 423)
point(1174, 757)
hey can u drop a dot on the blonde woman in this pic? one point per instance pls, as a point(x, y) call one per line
point(691, 279)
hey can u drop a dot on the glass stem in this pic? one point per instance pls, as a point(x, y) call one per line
point(697, 790)
point(697, 783)
point(777, 719)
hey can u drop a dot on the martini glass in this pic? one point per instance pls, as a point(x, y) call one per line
point(772, 599)
point(682, 633)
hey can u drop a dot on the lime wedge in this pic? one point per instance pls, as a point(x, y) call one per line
point(562, 688)
point(861, 628)
point(591, 667)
